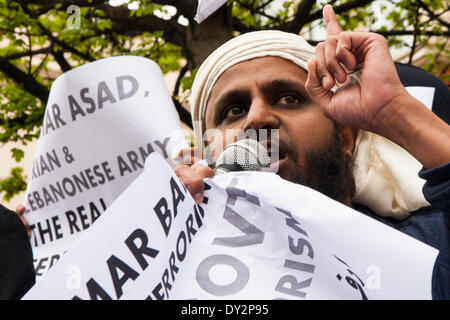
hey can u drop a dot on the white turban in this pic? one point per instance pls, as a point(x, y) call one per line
point(386, 176)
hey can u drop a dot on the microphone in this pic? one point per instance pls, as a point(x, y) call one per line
point(243, 155)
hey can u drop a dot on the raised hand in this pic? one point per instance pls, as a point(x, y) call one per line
point(378, 102)
point(359, 105)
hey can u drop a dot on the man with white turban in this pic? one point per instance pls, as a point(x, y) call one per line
point(361, 144)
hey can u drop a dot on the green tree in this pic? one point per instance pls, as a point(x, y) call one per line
point(41, 39)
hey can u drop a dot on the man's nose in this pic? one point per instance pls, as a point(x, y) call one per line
point(261, 116)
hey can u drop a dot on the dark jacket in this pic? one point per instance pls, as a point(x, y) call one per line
point(430, 225)
point(16, 258)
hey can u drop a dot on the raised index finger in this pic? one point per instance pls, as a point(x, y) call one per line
point(331, 21)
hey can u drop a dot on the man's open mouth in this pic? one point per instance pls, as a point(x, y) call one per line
point(276, 153)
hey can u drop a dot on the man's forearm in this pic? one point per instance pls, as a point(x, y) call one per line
point(415, 128)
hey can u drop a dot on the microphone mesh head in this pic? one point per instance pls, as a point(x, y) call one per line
point(247, 153)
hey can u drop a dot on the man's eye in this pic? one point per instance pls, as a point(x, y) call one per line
point(288, 99)
point(233, 111)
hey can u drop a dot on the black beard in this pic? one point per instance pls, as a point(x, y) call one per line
point(329, 170)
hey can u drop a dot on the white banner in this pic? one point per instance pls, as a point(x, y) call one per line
point(206, 8)
point(255, 237)
point(102, 120)
point(423, 94)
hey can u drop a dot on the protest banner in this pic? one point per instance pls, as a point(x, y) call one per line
point(206, 8)
point(283, 241)
point(102, 120)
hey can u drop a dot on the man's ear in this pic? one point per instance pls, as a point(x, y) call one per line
point(348, 136)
